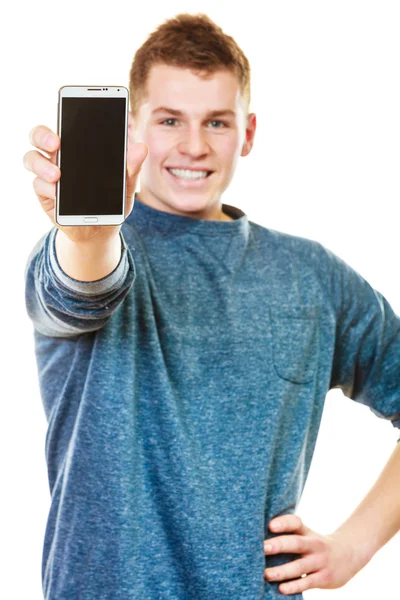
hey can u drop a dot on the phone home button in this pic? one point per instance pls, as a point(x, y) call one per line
point(91, 219)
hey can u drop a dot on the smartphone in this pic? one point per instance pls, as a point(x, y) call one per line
point(93, 127)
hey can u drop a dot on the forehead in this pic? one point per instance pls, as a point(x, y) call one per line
point(184, 89)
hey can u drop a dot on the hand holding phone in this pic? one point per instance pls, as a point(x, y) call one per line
point(86, 252)
point(48, 174)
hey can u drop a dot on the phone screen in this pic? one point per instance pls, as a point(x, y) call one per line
point(92, 158)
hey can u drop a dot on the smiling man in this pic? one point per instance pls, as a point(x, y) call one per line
point(194, 148)
point(184, 359)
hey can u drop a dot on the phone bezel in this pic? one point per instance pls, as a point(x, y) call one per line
point(91, 91)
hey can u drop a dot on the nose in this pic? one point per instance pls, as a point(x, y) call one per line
point(194, 143)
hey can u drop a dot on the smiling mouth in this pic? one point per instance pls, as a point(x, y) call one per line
point(170, 169)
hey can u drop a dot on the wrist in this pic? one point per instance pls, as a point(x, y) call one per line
point(91, 259)
point(357, 551)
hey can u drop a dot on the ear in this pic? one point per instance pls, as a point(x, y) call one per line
point(250, 133)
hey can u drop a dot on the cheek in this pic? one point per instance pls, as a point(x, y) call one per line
point(159, 147)
point(227, 147)
point(155, 143)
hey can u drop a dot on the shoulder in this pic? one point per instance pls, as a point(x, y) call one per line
point(283, 246)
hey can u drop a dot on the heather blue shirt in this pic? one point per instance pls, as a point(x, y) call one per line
point(184, 394)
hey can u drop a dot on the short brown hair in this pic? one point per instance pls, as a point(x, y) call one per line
point(192, 42)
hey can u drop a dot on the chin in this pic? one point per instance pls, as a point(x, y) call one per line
point(188, 203)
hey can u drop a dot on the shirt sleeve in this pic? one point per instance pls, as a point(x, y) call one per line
point(366, 362)
point(60, 306)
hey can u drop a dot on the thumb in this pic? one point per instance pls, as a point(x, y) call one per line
point(136, 156)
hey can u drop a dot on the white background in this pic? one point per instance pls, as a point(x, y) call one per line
point(325, 165)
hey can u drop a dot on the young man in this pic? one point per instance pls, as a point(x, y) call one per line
point(184, 359)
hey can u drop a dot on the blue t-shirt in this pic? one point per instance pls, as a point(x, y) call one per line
point(184, 394)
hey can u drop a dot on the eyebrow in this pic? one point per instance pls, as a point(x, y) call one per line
point(179, 113)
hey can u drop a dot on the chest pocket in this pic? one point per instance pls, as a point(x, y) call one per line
point(295, 342)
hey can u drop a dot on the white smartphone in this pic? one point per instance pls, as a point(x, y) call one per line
point(93, 127)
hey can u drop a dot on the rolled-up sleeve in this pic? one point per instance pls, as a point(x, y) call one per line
point(61, 306)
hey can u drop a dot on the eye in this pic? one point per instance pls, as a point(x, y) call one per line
point(222, 123)
point(165, 121)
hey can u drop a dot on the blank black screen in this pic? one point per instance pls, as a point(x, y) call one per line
point(92, 156)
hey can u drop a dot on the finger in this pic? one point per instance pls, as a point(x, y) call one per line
point(300, 585)
point(287, 522)
point(40, 165)
point(292, 544)
point(45, 139)
point(44, 188)
point(48, 206)
point(46, 195)
point(294, 569)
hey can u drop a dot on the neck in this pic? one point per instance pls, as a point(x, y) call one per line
point(214, 213)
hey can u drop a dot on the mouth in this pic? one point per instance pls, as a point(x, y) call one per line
point(188, 169)
point(189, 183)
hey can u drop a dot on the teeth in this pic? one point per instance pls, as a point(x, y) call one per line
point(186, 174)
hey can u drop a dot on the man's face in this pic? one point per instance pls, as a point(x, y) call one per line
point(196, 138)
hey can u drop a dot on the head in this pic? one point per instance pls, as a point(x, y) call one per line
point(190, 95)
